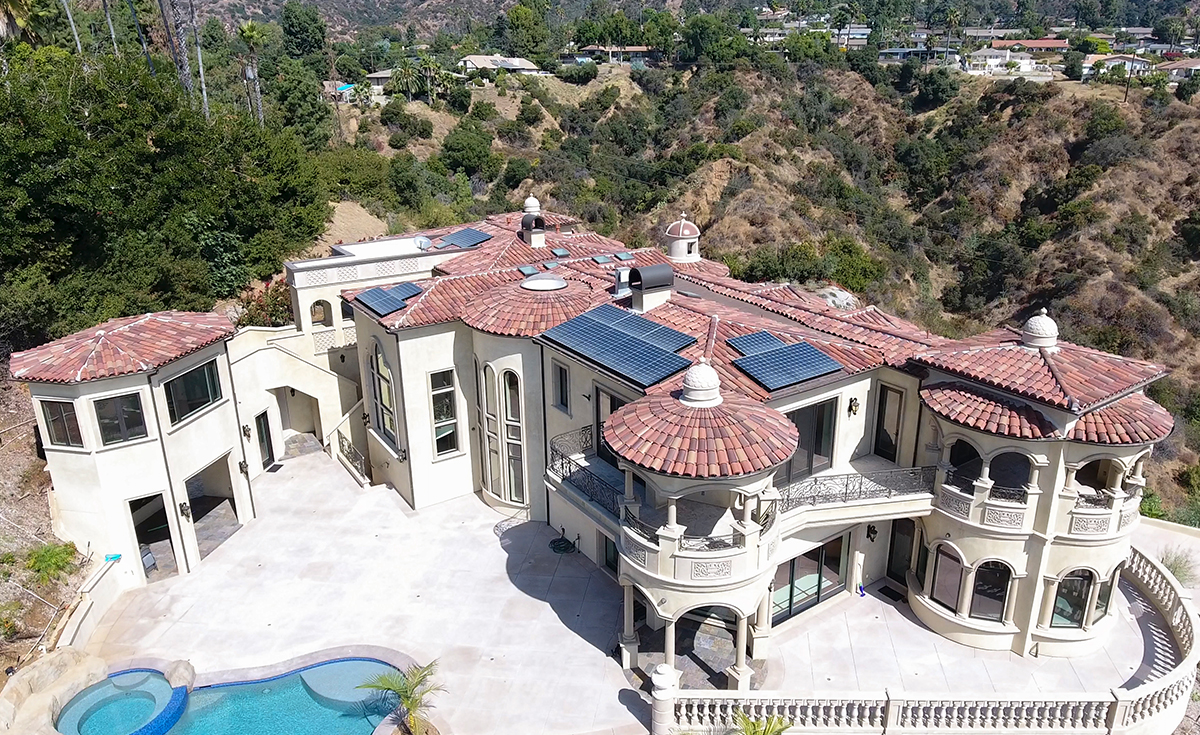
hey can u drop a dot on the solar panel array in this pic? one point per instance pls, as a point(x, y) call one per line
point(749, 344)
point(628, 344)
point(787, 365)
point(468, 237)
point(384, 301)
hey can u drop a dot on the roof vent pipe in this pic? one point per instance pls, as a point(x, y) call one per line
point(651, 286)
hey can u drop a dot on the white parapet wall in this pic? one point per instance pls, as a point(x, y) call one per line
point(96, 596)
point(1153, 708)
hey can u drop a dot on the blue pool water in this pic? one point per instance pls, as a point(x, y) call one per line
point(318, 700)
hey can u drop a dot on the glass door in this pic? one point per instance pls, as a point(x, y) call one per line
point(265, 449)
point(606, 405)
point(814, 449)
point(887, 423)
point(811, 578)
point(900, 554)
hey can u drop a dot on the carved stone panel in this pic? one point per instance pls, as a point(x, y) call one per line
point(951, 503)
point(637, 553)
point(1127, 518)
point(1003, 518)
point(712, 569)
point(1085, 525)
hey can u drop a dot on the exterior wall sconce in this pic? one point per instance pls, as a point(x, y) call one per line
point(366, 418)
point(244, 468)
point(246, 430)
point(853, 407)
point(292, 391)
point(872, 532)
point(185, 510)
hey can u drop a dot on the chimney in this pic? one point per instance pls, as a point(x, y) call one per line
point(533, 230)
point(621, 284)
point(651, 286)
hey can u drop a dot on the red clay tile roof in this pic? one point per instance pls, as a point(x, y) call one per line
point(737, 437)
point(1135, 419)
point(508, 251)
point(1070, 376)
point(123, 346)
point(983, 412)
point(513, 311)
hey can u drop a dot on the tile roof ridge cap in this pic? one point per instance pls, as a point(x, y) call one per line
point(1073, 403)
point(711, 342)
point(409, 308)
point(102, 337)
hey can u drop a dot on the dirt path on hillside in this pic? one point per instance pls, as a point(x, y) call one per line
point(350, 223)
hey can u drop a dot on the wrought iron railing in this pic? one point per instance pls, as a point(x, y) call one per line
point(640, 527)
point(963, 478)
point(828, 489)
point(1009, 494)
point(596, 488)
point(353, 456)
point(766, 519)
point(1098, 500)
point(712, 543)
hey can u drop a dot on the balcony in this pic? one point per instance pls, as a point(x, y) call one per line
point(856, 486)
point(573, 460)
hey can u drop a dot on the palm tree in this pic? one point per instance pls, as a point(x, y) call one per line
point(429, 68)
point(405, 79)
point(162, 10)
point(411, 689)
point(185, 61)
point(141, 37)
point(199, 58)
point(111, 32)
point(840, 19)
point(74, 30)
point(254, 35)
point(953, 17)
point(773, 725)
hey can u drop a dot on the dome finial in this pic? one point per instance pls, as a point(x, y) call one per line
point(1039, 330)
point(701, 386)
point(532, 205)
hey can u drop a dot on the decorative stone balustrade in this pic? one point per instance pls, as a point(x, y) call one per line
point(1153, 708)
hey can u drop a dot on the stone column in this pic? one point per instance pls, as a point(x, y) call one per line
point(629, 636)
point(671, 513)
point(746, 509)
point(739, 674)
point(1010, 600)
point(760, 632)
point(1047, 611)
point(662, 708)
point(966, 586)
point(669, 644)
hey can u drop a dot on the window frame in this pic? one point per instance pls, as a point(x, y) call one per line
point(1074, 574)
point(76, 441)
point(880, 405)
point(561, 387)
point(788, 473)
point(378, 380)
point(975, 596)
point(211, 381)
point(434, 422)
point(943, 552)
point(513, 423)
point(126, 436)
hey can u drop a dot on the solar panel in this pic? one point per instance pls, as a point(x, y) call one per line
point(404, 290)
point(560, 252)
point(601, 258)
point(380, 301)
point(598, 336)
point(624, 256)
point(787, 365)
point(607, 314)
point(468, 237)
point(750, 344)
point(527, 270)
point(668, 339)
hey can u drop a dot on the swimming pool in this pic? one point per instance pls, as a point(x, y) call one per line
point(319, 700)
point(322, 699)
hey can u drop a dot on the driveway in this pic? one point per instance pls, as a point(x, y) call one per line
point(522, 634)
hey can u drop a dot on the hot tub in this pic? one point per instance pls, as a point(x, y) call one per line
point(135, 702)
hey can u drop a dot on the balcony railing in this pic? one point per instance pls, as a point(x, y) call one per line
point(640, 527)
point(352, 455)
point(963, 478)
point(1009, 494)
point(712, 543)
point(562, 448)
point(1099, 500)
point(828, 489)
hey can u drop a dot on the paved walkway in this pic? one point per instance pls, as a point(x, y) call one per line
point(522, 634)
point(869, 643)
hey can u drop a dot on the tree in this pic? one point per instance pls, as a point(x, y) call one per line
point(212, 35)
point(702, 34)
point(180, 30)
point(468, 148)
point(952, 18)
point(254, 36)
point(841, 18)
point(527, 33)
point(411, 690)
point(74, 31)
point(1170, 30)
point(362, 94)
point(112, 33)
point(297, 94)
point(1188, 89)
point(429, 68)
point(303, 29)
point(199, 57)
point(404, 79)
point(1073, 65)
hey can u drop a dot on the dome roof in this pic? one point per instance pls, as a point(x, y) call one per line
point(669, 434)
point(701, 385)
point(1040, 330)
point(532, 205)
point(530, 307)
point(683, 228)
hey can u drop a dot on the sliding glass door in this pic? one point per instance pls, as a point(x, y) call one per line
point(814, 449)
point(810, 578)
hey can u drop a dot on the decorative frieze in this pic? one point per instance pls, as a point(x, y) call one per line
point(385, 268)
point(316, 278)
point(952, 503)
point(1003, 518)
point(347, 273)
point(1127, 517)
point(637, 553)
point(712, 569)
point(1089, 525)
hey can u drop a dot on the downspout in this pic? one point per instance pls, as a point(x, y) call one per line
point(162, 446)
point(245, 466)
point(545, 428)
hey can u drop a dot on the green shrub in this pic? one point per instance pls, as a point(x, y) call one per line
point(398, 141)
point(516, 171)
point(271, 308)
point(51, 561)
point(514, 132)
point(8, 621)
point(579, 74)
point(530, 113)
point(1181, 563)
point(1188, 89)
point(459, 99)
point(484, 111)
point(353, 173)
point(1151, 505)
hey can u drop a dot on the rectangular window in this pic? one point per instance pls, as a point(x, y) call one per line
point(192, 391)
point(814, 449)
point(61, 423)
point(385, 410)
point(120, 419)
point(947, 579)
point(922, 562)
point(445, 422)
point(562, 387)
point(610, 555)
point(991, 592)
point(887, 423)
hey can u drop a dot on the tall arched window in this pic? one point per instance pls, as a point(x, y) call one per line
point(991, 591)
point(512, 435)
point(1070, 604)
point(479, 425)
point(1104, 597)
point(385, 401)
point(967, 466)
point(947, 578)
point(495, 469)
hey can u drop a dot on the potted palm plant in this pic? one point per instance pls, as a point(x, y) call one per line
point(411, 689)
point(745, 725)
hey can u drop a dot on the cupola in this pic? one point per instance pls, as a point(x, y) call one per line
point(1039, 331)
point(701, 386)
point(533, 206)
point(683, 241)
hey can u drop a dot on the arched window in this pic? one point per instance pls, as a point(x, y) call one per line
point(1070, 604)
point(922, 559)
point(947, 578)
point(385, 402)
point(512, 434)
point(967, 466)
point(1010, 473)
point(321, 313)
point(495, 469)
point(991, 591)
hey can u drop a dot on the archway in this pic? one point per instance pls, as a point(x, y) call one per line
point(1010, 473)
point(967, 465)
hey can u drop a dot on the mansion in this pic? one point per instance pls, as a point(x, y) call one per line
point(733, 452)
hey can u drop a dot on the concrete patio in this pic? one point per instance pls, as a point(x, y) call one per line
point(522, 635)
point(871, 643)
